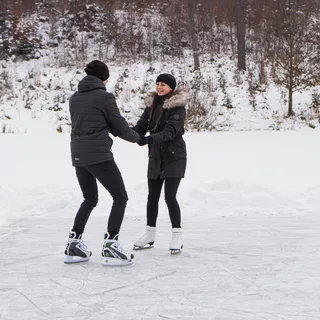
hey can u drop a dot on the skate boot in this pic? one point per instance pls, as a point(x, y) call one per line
point(147, 240)
point(113, 254)
point(176, 243)
point(76, 250)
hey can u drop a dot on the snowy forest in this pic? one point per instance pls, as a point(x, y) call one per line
point(249, 64)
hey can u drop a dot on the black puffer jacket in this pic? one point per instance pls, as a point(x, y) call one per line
point(167, 152)
point(94, 113)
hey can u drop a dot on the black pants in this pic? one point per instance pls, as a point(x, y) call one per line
point(108, 174)
point(171, 186)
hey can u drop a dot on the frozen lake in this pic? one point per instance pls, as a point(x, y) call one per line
point(250, 215)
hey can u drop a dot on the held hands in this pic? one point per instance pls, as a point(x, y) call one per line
point(144, 140)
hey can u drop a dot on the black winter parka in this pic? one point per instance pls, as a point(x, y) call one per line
point(167, 152)
point(94, 113)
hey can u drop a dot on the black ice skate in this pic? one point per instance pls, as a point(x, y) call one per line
point(113, 254)
point(76, 250)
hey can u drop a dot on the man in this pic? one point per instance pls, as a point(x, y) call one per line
point(94, 114)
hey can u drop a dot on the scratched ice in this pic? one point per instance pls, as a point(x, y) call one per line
point(250, 208)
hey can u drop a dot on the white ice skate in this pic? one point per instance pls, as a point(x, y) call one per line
point(147, 240)
point(76, 250)
point(176, 243)
point(113, 254)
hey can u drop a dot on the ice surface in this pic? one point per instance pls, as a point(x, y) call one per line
point(250, 215)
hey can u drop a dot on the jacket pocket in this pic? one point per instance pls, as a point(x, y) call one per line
point(177, 152)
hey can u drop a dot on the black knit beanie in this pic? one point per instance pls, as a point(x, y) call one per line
point(168, 79)
point(97, 68)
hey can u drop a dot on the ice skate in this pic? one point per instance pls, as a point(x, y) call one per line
point(147, 240)
point(176, 244)
point(76, 250)
point(113, 254)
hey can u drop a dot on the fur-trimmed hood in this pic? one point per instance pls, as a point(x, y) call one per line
point(179, 98)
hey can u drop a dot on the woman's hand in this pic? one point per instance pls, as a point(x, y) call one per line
point(144, 140)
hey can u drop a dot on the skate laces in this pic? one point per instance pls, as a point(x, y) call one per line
point(82, 245)
point(143, 237)
point(118, 247)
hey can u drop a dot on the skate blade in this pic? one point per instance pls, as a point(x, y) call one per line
point(137, 248)
point(74, 259)
point(175, 251)
point(113, 262)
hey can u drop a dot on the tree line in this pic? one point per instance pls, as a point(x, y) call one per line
point(281, 34)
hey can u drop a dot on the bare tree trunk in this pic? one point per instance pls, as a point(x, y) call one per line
point(3, 27)
point(149, 40)
point(290, 89)
point(290, 109)
point(241, 35)
point(193, 36)
point(225, 44)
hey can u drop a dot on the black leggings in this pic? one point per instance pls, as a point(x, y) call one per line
point(108, 174)
point(171, 186)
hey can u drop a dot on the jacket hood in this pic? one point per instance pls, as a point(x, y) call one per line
point(89, 83)
point(179, 98)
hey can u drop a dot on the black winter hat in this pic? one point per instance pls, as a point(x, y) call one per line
point(97, 68)
point(168, 79)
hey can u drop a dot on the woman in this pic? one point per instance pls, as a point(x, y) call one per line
point(164, 118)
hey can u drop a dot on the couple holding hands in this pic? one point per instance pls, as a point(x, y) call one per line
point(94, 114)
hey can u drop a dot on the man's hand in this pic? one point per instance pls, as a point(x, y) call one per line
point(144, 140)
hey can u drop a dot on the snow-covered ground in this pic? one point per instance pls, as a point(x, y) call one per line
point(35, 95)
point(250, 207)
